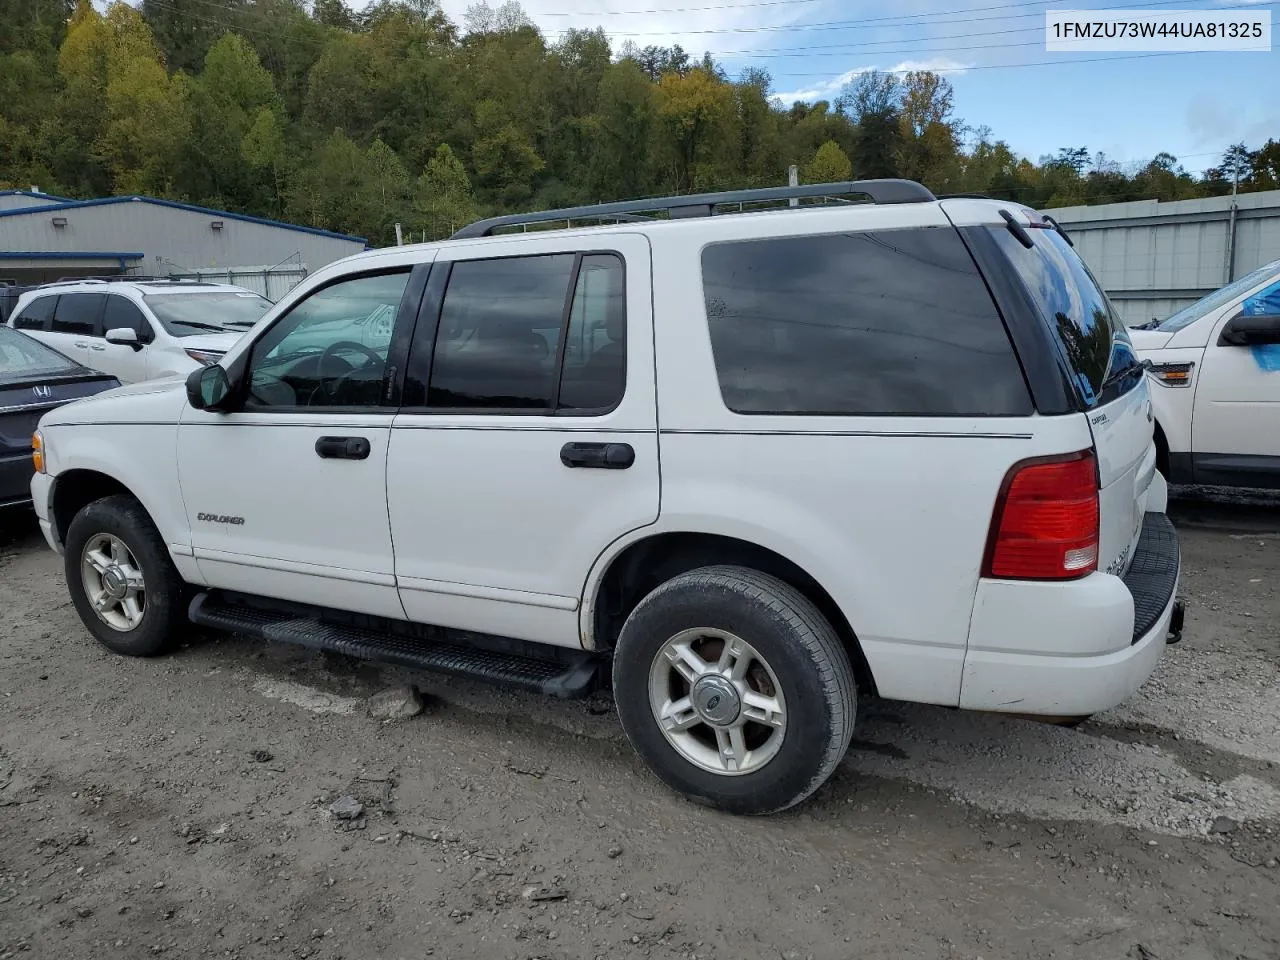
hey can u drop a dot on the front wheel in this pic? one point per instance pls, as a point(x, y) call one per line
point(122, 582)
point(735, 689)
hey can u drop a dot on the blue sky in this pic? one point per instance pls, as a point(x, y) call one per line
point(1192, 105)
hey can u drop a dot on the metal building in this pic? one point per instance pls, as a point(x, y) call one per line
point(45, 238)
point(1154, 258)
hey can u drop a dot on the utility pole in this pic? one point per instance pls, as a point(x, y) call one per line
point(399, 236)
point(793, 179)
point(1231, 223)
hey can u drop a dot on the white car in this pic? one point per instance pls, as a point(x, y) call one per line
point(741, 468)
point(1216, 370)
point(138, 329)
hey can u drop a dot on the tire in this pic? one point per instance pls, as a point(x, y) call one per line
point(798, 672)
point(160, 603)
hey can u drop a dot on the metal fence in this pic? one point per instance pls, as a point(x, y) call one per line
point(272, 282)
point(1154, 258)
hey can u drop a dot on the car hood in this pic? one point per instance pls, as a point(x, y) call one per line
point(147, 402)
point(215, 342)
point(1149, 339)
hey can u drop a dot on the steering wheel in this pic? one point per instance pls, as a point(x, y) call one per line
point(330, 384)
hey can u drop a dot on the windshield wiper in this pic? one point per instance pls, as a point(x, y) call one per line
point(1115, 376)
point(196, 325)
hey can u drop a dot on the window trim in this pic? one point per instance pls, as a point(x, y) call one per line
point(429, 326)
point(416, 274)
point(998, 308)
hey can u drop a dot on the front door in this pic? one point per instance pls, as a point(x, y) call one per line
point(527, 442)
point(287, 496)
point(1235, 424)
point(126, 362)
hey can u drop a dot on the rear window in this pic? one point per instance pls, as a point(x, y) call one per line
point(187, 314)
point(22, 357)
point(1094, 342)
point(36, 314)
point(895, 322)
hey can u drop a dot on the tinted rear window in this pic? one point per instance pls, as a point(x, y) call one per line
point(895, 322)
point(35, 315)
point(1093, 340)
point(78, 313)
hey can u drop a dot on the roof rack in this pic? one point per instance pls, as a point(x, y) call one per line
point(704, 204)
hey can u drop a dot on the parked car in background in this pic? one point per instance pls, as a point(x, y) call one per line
point(1215, 367)
point(139, 329)
point(33, 380)
point(739, 467)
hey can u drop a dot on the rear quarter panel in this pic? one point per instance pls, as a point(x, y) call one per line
point(889, 514)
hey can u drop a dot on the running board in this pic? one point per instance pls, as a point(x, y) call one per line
point(565, 681)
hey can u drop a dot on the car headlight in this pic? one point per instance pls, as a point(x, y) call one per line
point(206, 357)
point(37, 451)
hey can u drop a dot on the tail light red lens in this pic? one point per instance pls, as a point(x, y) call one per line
point(1045, 525)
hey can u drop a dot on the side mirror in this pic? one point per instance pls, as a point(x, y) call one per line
point(1245, 330)
point(208, 388)
point(125, 337)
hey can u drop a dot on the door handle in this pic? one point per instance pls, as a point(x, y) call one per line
point(342, 448)
point(97, 346)
point(600, 456)
point(82, 345)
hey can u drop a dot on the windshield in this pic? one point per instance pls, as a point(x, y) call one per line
point(227, 311)
point(1094, 343)
point(1188, 315)
point(23, 358)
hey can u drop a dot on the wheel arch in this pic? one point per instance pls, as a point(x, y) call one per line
point(73, 490)
point(625, 575)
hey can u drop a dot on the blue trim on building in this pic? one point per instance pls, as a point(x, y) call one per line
point(34, 196)
point(190, 208)
point(64, 255)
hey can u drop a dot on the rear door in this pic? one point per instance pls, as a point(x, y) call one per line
point(1107, 375)
point(527, 440)
point(76, 321)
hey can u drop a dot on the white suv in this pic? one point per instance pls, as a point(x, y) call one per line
point(139, 329)
point(1216, 368)
point(742, 468)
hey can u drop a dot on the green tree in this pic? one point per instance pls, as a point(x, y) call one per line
point(873, 100)
point(829, 165)
point(442, 201)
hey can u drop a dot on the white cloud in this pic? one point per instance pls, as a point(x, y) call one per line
point(828, 88)
point(688, 27)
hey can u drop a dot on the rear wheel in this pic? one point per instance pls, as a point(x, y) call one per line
point(122, 582)
point(735, 689)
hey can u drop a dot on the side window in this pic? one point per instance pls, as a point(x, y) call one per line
point(895, 322)
point(595, 360)
point(330, 350)
point(123, 312)
point(513, 336)
point(36, 315)
point(79, 313)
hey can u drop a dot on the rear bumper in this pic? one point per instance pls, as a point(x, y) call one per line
point(15, 479)
point(1073, 649)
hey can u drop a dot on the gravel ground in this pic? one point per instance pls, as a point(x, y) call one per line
point(200, 805)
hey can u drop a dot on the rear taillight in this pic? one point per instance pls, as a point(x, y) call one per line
point(1045, 525)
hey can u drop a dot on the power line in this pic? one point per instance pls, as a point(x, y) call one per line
point(1009, 66)
point(877, 22)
